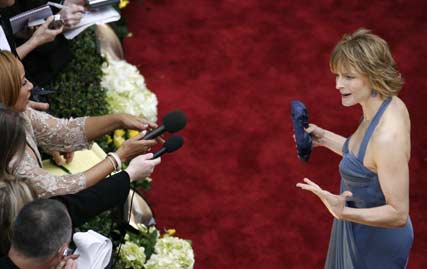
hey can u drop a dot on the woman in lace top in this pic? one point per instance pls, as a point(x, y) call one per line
point(64, 135)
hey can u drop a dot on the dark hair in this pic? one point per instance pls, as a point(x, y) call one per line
point(13, 139)
point(14, 193)
point(41, 228)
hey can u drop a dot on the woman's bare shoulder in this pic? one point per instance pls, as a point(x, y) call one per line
point(395, 126)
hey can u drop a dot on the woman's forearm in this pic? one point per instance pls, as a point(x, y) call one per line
point(25, 48)
point(98, 172)
point(333, 141)
point(101, 125)
point(385, 216)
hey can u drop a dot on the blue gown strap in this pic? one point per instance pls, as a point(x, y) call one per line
point(345, 145)
point(371, 128)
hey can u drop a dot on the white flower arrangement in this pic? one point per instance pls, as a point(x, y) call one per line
point(132, 255)
point(169, 252)
point(126, 91)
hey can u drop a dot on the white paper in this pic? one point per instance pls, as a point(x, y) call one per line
point(94, 250)
point(4, 44)
point(103, 15)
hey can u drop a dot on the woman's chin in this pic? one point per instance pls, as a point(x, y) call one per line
point(21, 108)
point(346, 102)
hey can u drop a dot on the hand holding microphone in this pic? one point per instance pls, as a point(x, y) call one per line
point(172, 144)
point(172, 122)
point(142, 166)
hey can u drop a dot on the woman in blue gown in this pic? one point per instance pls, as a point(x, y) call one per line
point(372, 227)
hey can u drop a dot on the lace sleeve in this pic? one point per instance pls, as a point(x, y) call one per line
point(45, 184)
point(58, 134)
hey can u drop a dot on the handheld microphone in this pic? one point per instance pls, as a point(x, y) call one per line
point(173, 143)
point(172, 122)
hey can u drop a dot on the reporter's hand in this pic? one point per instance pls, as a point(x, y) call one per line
point(316, 133)
point(67, 263)
point(141, 166)
point(73, 13)
point(135, 146)
point(136, 123)
point(38, 105)
point(71, 264)
point(62, 158)
point(43, 34)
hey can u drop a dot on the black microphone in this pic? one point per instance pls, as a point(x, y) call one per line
point(172, 122)
point(173, 143)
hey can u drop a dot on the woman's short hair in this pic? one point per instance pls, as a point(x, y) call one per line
point(369, 55)
point(10, 81)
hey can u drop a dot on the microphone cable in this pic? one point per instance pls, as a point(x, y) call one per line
point(123, 234)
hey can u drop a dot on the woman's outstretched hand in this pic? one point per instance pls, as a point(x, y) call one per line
point(136, 123)
point(334, 203)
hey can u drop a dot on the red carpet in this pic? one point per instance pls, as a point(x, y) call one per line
point(234, 67)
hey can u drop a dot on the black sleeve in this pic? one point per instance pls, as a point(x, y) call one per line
point(92, 201)
point(6, 263)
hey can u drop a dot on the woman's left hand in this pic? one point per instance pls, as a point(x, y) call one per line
point(334, 203)
point(136, 123)
point(62, 158)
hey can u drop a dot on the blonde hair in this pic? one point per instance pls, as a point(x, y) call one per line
point(14, 194)
point(369, 55)
point(10, 81)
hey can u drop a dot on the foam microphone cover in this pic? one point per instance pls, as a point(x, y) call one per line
point(174, 121)
point(173, 143)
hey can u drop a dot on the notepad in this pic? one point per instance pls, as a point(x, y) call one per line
point(82, 161)
point(20, 21)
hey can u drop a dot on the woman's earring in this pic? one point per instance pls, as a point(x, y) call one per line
point(374, 93)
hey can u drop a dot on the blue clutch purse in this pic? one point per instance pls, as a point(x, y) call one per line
point(299, 122)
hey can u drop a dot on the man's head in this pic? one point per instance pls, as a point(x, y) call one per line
point(41, 233)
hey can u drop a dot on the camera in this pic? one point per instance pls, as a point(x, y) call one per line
point(57, 22)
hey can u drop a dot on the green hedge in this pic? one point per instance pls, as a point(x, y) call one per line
point(77, 87)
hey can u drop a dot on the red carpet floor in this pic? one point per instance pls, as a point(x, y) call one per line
point(233, 67)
